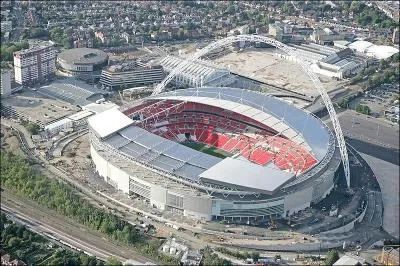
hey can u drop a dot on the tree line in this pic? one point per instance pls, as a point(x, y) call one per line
point(18, 176)
point(377, 75)
point(8, 49)
point(23, 244)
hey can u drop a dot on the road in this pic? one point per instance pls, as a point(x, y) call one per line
point(50, 223)
point(369, 135)
point(388, 178)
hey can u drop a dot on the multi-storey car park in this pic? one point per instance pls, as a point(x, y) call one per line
point(273, 159)
point(131, 74)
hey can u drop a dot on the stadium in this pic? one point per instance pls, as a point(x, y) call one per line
point(217, 153)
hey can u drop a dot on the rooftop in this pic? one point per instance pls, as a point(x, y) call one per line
point(108, 122)
point(257, 177)
point(83, 56)
point(370, 49)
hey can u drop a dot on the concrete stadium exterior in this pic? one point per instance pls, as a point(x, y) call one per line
point(283, 158)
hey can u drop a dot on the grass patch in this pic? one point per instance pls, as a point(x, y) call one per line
point(207, 149)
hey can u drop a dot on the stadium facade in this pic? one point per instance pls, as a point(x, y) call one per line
point(278, 159)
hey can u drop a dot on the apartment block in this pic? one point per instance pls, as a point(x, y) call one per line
point(34, 65)
point(5, 83)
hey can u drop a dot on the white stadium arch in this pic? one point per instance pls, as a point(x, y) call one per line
point(291, 52)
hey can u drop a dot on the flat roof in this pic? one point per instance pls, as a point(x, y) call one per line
point(99, 107)
point(83, 56)
point(108, 122)
point(58, 123)
point(80, 115)
point(247, 175)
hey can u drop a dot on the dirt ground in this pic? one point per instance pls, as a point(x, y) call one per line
point(9, 141)
point(261, 64)
point(76, 157)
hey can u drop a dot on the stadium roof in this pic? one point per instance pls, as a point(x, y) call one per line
point(108, 122)
point(247, 175)
point(297, 125)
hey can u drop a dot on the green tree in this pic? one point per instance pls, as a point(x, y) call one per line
point(56, 34)
point(255, 256)
point(210, 258)
point(38, 32)
point(331, 257)
point(66, 43)
point(32, 128)
point(112, 261)
point(363, 109)
point(383, 64)
point(14, 242)
point(344, 103)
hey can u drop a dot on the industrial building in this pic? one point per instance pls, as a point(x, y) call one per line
point(197, 74)
point(326, 36)
point(341, 64)
point(279, 159)
point(281, 31)
point(72, 91)
point(375, 51)
point(68, 123)
point(131, 74)
point(331, 61)
point(34, 65)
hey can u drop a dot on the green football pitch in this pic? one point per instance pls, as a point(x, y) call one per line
point(207, 149)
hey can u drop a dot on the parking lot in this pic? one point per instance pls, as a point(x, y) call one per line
point(377, 99)
point(369, 129)
point(39, 107)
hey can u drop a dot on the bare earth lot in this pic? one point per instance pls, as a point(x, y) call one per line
point(262, 65)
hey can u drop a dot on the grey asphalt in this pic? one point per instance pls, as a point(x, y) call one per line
point(370, 135)
point(388, 178)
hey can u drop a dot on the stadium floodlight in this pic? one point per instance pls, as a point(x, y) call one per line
point(291, 52)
